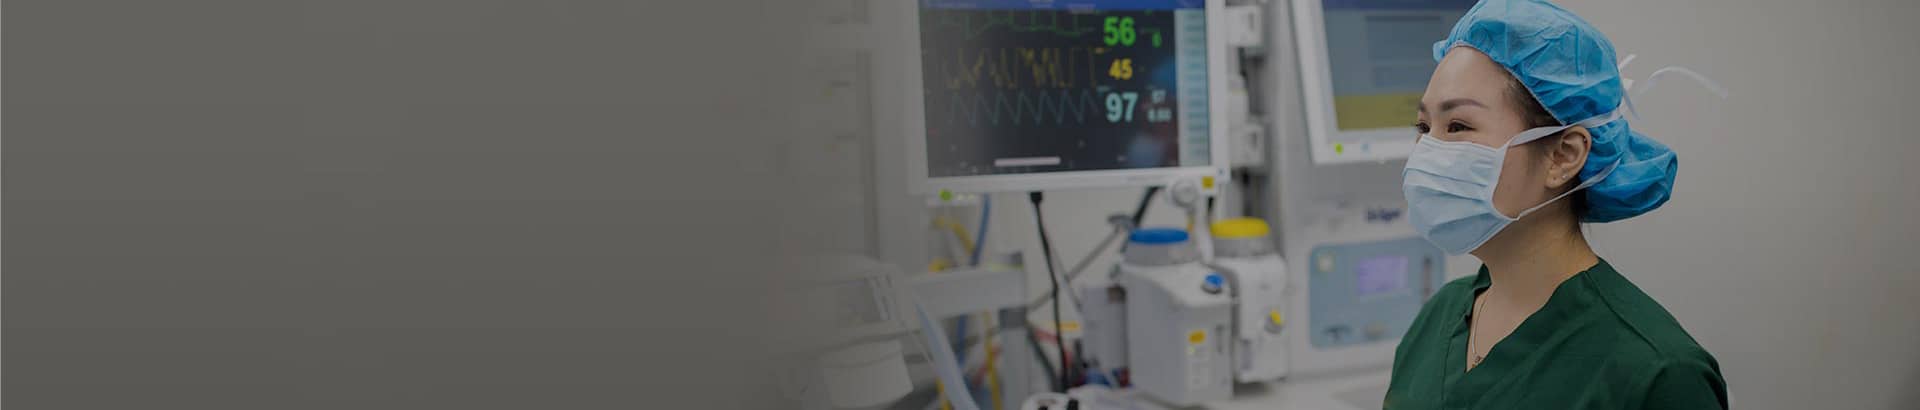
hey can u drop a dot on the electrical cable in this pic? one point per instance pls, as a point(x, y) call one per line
point(1046, 251)
point(1139, 214)
point(1067, 283)
point(960, 347)
point(989, 374)
point(980, 235)
point(1040, 354)
point(978, 245)
point(959, 232)
point(1208, 221)
point(970, 244)
point(1097, 251)
point(1139, 217)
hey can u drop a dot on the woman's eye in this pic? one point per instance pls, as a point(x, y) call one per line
point(1422, 127)
point(1456, 127)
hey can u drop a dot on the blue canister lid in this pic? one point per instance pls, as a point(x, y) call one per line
point(1158, 236)
point(1213, 283)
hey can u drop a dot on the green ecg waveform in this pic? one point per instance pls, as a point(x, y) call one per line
point(1036, 22)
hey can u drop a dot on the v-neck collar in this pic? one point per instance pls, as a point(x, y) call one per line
point(1570, 300)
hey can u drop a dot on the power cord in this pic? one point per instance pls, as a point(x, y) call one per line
point(1122, 224)
point(1140, 212)
point(1046, 251)
point(1033, 342)
point(1208, 221)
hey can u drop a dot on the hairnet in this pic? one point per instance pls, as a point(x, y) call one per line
point(1570, 68)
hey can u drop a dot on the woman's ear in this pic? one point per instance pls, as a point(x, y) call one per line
point(1566, 156)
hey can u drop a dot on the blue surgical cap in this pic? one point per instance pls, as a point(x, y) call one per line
point(1570, 68)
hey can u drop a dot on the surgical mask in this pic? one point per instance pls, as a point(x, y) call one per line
point(1449, 187)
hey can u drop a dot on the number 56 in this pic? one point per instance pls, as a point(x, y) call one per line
point(1119, 31)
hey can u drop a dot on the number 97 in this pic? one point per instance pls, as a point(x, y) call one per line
point(1120, 106)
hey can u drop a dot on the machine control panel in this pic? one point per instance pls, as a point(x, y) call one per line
point(1370, 291)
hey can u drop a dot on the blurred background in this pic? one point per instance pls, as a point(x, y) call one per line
point(612, 204)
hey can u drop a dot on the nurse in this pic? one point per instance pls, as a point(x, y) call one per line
point(1521, 140)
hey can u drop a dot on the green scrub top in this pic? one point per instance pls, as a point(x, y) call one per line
point(1598, 343)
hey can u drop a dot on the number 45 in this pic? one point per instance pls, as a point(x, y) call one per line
point(1122, 69)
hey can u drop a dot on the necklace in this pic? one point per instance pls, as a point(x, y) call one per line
point(1473, 332)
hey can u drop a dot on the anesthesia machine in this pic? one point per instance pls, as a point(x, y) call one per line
point(1292, 113)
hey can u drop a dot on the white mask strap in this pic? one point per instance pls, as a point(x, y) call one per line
point(1538, 133)
point(1583, 185)
point(1654, 78)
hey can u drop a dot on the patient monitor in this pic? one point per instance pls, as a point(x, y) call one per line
point(1022, 95)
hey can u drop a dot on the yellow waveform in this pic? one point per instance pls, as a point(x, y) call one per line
point(1023, 67)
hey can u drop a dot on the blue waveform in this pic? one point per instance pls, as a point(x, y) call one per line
point(1022, 107)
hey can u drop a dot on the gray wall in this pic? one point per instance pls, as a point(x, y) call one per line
point(390, 204)
point(1788, 248)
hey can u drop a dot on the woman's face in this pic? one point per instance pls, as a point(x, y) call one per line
point(1467, 100)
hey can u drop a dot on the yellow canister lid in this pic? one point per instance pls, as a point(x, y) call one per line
point(1236, 228)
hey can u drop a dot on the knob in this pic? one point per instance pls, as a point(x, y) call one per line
point(1213, 284)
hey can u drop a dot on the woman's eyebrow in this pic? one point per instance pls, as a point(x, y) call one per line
point(1449, 105)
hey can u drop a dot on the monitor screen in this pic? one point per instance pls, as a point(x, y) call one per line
point(1380, 275)
point(1382, 53)
point(1364, 65)
point(1029, 86)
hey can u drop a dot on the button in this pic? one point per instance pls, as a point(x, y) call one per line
point(1213, 284)
point(1337, 332)
point(1275, 320)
